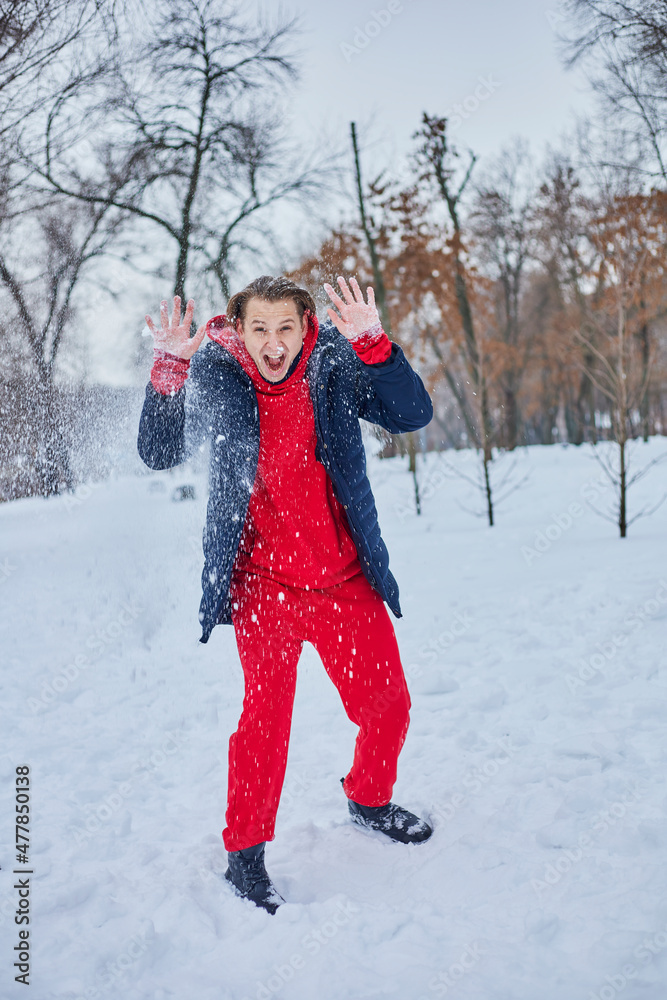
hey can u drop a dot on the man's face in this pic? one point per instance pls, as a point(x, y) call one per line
point(273, 334)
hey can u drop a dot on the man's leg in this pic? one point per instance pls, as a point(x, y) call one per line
point(355, 639)
point(258, 749)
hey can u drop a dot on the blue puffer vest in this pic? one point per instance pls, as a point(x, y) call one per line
point(218, 403)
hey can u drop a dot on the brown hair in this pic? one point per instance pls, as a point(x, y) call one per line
point(269, 289)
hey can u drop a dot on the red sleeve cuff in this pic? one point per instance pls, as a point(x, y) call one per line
point(169, 372)
point(372, 346)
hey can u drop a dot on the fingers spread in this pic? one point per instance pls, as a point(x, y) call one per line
point(189, 310)
point(164, 314)
point(371, 295)
point(150, 324)
point(357, 291)
point(335, 298)
point(176, 314)
point(346, 291)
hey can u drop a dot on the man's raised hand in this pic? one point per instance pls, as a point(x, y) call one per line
point(356, 316)
point(174, 336)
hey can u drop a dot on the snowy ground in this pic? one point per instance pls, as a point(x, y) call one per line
point(538, 748)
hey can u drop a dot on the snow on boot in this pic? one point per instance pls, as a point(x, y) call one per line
point(248, 875)
point(392, 820)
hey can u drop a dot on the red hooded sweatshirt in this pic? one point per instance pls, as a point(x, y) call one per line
point(296, 531)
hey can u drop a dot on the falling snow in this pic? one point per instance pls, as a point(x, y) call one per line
point(537, 749)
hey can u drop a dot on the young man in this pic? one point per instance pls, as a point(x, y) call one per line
point(292, 545)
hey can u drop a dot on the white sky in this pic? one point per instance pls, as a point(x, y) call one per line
point(429, 56)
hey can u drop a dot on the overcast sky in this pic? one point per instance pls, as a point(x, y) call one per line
point(492, 67)
point(432, 55)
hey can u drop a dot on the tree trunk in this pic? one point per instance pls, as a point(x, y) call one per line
point(622, 486)
point(53, 462)
point(378, 280)
point(644, 411)
point(437, 152)
point(458, 394)
point(584, 428)
point(412, 467)
point(181, 268)
point(511, 421)
point(487, 490)
point(622, 429)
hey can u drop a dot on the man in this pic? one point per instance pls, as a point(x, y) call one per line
point(292, 546)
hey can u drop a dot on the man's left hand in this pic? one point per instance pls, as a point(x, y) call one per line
point(356, 316)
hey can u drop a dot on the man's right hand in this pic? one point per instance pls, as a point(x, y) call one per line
point(174, 336)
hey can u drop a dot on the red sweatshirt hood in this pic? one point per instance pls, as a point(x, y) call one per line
point(225, 335)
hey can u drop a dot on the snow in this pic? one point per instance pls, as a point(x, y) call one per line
point(537, 748)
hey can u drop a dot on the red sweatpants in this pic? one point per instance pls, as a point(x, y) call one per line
point(349, 627)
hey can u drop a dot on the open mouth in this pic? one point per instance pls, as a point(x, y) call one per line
point(275, 363)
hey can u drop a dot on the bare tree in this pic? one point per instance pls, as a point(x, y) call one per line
point(501, 222)
point(36, 36)
point(51, 250)
point(371, 242)
point(380, 292)
point(199, 156)
point(46, 243)
point(31, 36)
point(629, 234)
point(440, 168)
point(561, 213)
point(624, 47)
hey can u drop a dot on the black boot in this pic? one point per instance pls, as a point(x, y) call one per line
point(392, 820)
point(248, 875)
